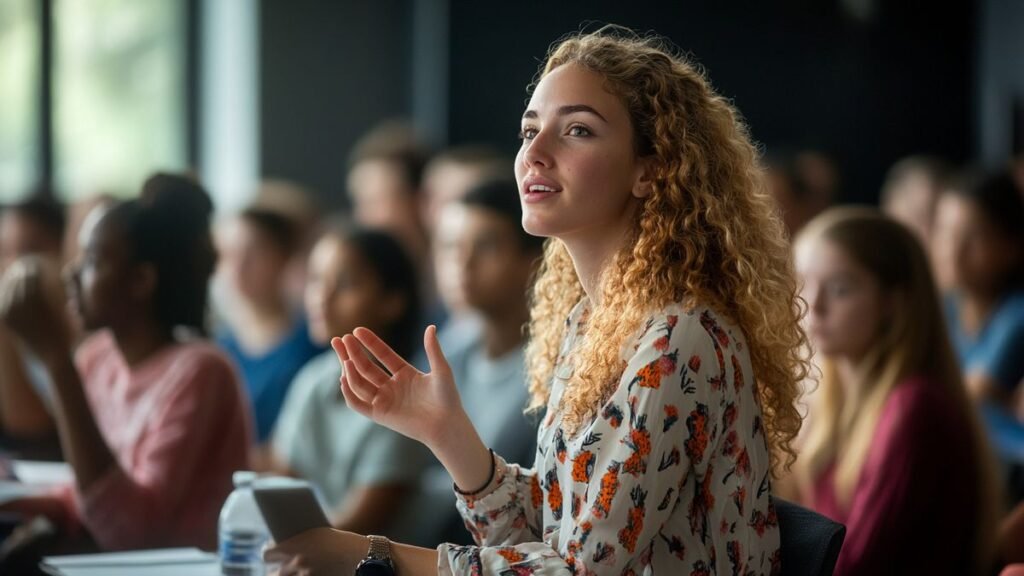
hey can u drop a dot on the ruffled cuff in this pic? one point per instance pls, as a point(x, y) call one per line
point(500, 472)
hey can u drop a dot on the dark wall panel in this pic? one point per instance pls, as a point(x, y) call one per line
point(329, 71)
point(803, 72)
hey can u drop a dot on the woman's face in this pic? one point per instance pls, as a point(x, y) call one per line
point(493, 267)
point(577, 170)
point(101, 280)
point(846, 305)
point(973, 251)
point(343, 292)
point(252, 263)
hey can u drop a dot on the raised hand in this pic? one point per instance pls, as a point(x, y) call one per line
point(425, 407)
point(416, 404)
point(32, 306)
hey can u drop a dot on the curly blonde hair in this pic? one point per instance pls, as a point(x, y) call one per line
point(707, 234)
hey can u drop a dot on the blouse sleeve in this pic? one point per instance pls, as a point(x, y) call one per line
point(654, 430)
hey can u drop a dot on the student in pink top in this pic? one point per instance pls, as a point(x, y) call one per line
point(152, 422)
point(891, 446)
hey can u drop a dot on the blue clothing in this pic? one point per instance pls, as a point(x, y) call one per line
point(997, 350)
point(268, 376)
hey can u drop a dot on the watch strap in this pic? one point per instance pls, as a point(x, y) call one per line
point(380, 548)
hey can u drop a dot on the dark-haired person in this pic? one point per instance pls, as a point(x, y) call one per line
point(152, 422)
point(980, 231)
point(34, 226)
point(266, 338)
point(496, 260)
point(357, 277)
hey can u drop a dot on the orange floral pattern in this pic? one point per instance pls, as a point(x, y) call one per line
point(670, 477)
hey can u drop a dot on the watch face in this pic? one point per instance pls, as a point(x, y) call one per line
point(371, 567)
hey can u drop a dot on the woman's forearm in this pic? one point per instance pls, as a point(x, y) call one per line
point(413, 560)
point(84, 446)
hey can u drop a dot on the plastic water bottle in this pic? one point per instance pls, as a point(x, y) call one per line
point(242, 531)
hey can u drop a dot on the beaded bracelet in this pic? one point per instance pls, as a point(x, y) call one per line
point(494, 467)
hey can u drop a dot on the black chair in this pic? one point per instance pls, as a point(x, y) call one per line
point(810, 541)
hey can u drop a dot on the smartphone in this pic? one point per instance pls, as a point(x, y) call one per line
point(288, 507)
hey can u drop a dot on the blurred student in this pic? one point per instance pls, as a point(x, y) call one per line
point(267, 339)
point(803, 184)
point(452, 173)
point(497, 260)
point(911, 191)
point(447, 178)
point(892, 447)
point(357, 277)
point(384, 185)
point(152, 420)
point(34, 226)
point(910, 194)
point(980, 232)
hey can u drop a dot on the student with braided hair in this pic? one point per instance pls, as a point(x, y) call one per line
point(151, 417)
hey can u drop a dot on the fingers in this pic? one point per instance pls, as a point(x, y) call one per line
point(339, 349)
point(355, 402)
point(274, 554)
point(366, 367)
point(388, 357)
point(435, 356)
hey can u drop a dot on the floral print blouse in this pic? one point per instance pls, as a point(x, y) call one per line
point(671, 477)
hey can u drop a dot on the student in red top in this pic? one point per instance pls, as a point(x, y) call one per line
point(891, 445)
point(151, 421)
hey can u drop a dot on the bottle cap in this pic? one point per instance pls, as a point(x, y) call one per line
point(243, 478)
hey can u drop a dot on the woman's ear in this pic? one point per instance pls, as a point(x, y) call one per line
point(643, 183)
point(144, 279)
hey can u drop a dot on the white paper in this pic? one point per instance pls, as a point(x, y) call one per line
point(14, 490)
point(164, 562)
point(43, 473)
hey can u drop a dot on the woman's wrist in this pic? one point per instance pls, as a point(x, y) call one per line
point(463, 454)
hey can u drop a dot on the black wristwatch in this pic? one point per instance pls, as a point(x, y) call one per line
point(378, 559)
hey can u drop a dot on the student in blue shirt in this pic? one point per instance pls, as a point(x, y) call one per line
point(980, 234)
point(267, 339)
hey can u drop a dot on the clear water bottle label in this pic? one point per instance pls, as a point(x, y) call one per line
point(241, 551)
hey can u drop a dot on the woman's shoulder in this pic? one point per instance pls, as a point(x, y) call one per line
point(695, 326)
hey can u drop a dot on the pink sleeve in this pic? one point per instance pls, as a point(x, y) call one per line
point(143, 506)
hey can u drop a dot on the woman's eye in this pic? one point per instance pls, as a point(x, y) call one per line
point(839, 289)
point(527, 133)
point(579, 131)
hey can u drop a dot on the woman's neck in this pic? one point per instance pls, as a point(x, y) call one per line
point(139, 341)
point(591, 255)
point(848, 372)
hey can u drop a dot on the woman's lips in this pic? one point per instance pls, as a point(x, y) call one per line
point(537, 189)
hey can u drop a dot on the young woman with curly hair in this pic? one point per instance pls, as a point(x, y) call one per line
point(664, 343)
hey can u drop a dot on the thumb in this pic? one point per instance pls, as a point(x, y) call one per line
point(435, 356)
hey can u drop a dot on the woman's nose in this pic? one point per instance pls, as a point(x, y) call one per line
point(537, 151)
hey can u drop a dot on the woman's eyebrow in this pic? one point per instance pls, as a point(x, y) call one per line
point(566, 110)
